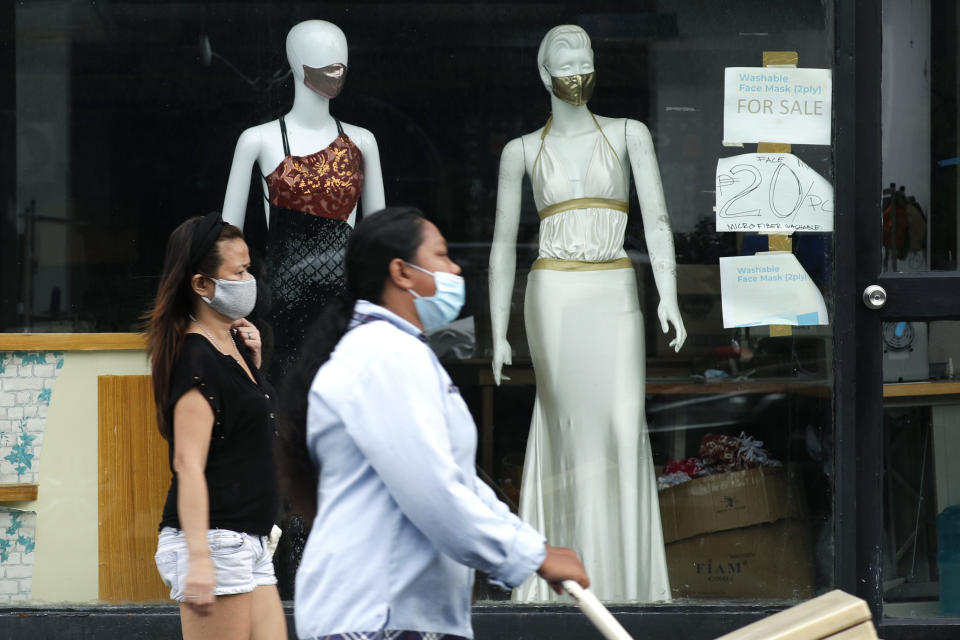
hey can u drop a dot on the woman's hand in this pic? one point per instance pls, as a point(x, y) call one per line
point(251, 338)
point(198, 587)
point(563, 564)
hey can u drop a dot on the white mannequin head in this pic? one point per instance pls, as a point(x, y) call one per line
point(315, 43)
point(564, 51)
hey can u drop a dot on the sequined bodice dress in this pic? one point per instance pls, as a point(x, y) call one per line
point(311, 197)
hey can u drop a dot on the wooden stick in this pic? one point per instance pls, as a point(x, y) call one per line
point(598, 614)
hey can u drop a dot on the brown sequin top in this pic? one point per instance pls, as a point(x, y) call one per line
point(326, 183)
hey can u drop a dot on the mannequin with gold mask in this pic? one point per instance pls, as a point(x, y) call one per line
point(588, 477)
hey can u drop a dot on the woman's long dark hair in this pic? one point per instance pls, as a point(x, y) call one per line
point(166, 323)
point(394, 232)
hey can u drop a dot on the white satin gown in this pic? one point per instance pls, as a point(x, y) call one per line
point(588, 477)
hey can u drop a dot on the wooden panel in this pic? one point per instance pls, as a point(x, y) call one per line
point(133, 480)
point(919, 389)
point(18, 492)
point(778, 242)
point(72, 342)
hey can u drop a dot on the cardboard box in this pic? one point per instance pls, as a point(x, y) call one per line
point(834, 616)
point(698, 295)
point(765, 561)
point(730, 500)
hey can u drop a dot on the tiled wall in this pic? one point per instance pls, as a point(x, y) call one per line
point(17, 536)
point(26, 385)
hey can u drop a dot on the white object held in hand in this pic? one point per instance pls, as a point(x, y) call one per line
point(598, 614)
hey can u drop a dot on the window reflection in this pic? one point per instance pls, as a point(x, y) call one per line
point(919, 145)
point(921, 486)
point(124, 123)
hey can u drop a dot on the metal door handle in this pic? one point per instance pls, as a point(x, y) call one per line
point(874, 296)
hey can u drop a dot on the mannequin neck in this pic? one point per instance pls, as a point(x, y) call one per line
point(310, 109)
point(568, 119)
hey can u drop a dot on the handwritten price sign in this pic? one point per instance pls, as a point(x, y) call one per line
point(771, 193)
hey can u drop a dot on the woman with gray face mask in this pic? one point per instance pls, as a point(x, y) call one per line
point(217, 413)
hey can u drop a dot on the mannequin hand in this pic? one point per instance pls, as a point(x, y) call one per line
point(502, 354)
point(250, 335)
point(563, 564)
point(670, 314)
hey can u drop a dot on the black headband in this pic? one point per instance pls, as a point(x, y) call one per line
point(204, 237)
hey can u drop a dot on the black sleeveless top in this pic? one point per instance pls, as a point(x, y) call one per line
point(241, 472)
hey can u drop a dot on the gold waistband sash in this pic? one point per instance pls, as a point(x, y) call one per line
point(582, 203)
point(578, 265)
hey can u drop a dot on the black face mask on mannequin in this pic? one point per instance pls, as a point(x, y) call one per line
point(326, 81)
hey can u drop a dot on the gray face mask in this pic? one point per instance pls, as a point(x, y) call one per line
point(233, 298)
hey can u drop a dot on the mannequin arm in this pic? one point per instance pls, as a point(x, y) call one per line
point(238, 184)
point(503, 252)
point(656, 227)
point(372, 197)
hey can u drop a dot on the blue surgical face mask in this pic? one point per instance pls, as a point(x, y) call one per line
point(444, 306)
point(233, 298)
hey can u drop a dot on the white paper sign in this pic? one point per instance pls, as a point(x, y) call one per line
point(777, 104)
point(771, 193)
point(769, 288)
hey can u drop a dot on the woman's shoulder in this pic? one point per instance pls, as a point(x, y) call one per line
point(196, 352)
point(383, 340)
point(373, 348)
point(368, 357)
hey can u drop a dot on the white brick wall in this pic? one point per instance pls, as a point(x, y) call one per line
point(26, 387)
point(17, 536)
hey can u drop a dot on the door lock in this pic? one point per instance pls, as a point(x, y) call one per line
point(874, 296)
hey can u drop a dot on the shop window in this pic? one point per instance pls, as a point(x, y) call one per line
point(921, 554)
point(124, 123)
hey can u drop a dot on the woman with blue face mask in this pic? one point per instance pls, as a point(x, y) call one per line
point(380, 448)
point(217, 413)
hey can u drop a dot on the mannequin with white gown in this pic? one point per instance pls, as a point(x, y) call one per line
point(315, 169)
point(588, 477)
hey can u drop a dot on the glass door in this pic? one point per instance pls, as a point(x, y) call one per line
point(907, 341)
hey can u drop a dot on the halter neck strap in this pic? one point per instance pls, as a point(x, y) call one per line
point(546, 130)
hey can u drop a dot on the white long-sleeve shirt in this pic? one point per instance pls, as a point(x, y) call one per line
point(402, 518)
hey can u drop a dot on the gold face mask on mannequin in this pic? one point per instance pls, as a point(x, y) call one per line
point(326, 81)
point(576, 89)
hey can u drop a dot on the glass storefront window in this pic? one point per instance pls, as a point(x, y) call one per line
point(919, 233)
point(921, 152)
point(124, 123)
point(921, 560)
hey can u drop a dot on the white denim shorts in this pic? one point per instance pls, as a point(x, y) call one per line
point(241, 562)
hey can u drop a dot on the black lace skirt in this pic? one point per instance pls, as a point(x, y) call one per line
point(304, 269)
